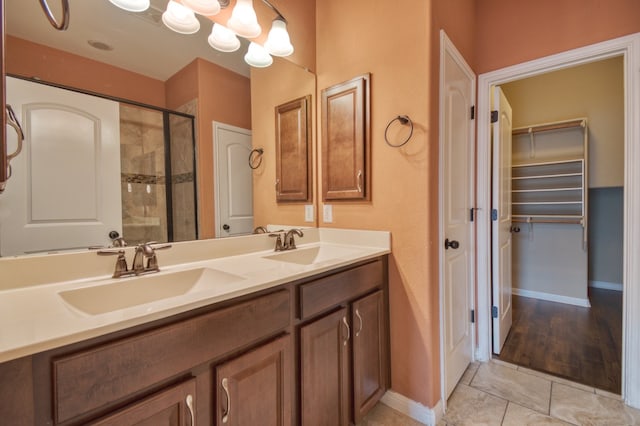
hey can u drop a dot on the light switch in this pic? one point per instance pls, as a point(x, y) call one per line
point(308, 213)
point(327, 213)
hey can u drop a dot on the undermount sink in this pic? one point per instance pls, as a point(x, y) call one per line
point(313, 255)
point(128, 292)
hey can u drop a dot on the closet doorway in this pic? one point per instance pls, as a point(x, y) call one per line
point(628, 47)
point(566, 203)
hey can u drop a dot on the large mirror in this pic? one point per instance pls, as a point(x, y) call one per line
point(201, 104)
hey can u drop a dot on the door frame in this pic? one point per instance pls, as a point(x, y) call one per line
point(629, 48)
point(217, 125)
point(447, 46)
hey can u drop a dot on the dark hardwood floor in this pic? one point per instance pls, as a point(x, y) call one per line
point(580, 344)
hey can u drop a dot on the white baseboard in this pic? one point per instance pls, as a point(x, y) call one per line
point(606, 285)
point(413, 409)
point(551, 297)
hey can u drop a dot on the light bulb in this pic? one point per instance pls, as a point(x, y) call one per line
point(203, 7)
point(278, 42)
point(257, 56)
point(132, 5)
point(180, 18)
point(244, 21)
point(223, 39)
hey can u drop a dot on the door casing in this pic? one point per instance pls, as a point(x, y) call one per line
point(629, 48)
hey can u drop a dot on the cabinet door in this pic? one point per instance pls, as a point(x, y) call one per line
point(345, 140)
point(172, 407)
point(293, 150)
point(325, 370)
point(369, 353)
point(256, 388)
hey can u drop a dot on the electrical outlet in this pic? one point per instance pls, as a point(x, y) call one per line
point(308, 213)
point(327, 213)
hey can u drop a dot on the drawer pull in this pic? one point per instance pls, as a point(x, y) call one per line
point(361, 323)
point(225, 413)
point(359, 179)
point(189, 402)
point(344, 320)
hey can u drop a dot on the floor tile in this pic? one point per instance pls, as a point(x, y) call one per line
point(469, 406)
point(382, 415)
point(504, 364)
point(517, 415)
point(557, 379)
point(469, 373)
point(584, 408)
point(608, 394)
point(515, 386)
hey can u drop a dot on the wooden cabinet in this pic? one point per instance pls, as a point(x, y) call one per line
point(346, 141)
point(293, 151)
point(174, 406)
point(324, 356)
point(256, 388)
point(369, 379)
point(259, 359)
point(344, 354)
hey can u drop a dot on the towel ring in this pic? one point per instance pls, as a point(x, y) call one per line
point(255, 158)
point(62, 26)
point(403, 119)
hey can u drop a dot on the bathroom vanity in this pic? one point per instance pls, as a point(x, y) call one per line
point(300, 339)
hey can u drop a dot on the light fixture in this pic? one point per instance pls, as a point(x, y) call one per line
point(180, 18)
point(244, 21)
point(278, 42)
point(132, 5)
point(223, 39)
point(257, 56)
point(203, 7)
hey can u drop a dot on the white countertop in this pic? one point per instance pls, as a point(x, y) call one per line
point(34, 317)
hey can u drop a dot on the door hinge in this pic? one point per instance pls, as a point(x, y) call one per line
point(473, 316)
point(494, 116)
point(494, 214)
point(473, 112)
point(471, 214)
point(494, 312)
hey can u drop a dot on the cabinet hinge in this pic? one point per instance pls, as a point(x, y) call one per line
point(494, 116)
point(473, 112)
point(494, 214)
point(494, 312)
point(471, 214)
point(473, 316)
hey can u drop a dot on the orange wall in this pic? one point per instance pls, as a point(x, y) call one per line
point(280, 83)
point(29, 59)
point(510, 32)
point(393, 43)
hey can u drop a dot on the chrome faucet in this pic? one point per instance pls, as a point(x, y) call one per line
point(289, 240)
point(142, 251)
point(286, 241)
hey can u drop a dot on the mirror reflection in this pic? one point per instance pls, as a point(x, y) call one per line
point(132, 57)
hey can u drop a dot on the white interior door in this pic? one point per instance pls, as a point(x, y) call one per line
point(457, 201)
point(501, 220)
point(65, 187)
point(234, 180)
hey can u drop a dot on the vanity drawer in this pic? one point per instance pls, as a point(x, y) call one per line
point(327, 292)
point(94, 378)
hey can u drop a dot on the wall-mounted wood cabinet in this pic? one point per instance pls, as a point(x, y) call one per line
point(293, 151)
point(346, 143)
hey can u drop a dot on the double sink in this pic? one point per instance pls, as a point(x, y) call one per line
point(123, 293)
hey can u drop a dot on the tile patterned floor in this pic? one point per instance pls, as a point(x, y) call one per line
point(497, 393)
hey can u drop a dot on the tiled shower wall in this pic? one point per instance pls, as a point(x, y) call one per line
point(142, 159)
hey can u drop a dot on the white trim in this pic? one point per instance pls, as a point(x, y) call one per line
point(447, 46)
point(413, 409)
point(551, 297)
point(629, 47)
point(605, 285)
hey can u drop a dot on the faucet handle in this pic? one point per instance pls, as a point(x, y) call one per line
point(121, 262)
point(278, 238)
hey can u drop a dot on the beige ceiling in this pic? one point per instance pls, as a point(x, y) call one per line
point(141, 43)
